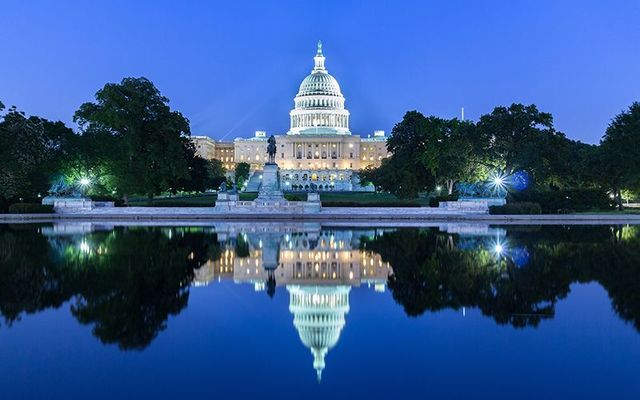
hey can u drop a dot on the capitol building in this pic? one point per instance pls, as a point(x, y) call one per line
point(318, 148)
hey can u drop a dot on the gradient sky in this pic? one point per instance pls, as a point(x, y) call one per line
point(234, 67)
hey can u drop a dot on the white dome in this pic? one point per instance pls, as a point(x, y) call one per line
point(319, 104)
point(319, 84)
point(318, 315)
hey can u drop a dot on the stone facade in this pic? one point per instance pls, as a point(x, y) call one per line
point(319, 147)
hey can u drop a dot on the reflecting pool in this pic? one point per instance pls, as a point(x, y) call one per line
point(310, 310)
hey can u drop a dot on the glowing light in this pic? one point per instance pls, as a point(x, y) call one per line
point(85, 181)
point(498, 248)
point(438, 188)
point(84, 247)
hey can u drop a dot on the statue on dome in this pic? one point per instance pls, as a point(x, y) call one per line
point(271, 149)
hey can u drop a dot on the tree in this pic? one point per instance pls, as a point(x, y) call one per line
point(520, 137)
point(409, 170)
point(218, 173)
point(31, 149)
point(203, 174)
point(457, 158)
point(242, 173)
point(151, 149)
point(619, 155)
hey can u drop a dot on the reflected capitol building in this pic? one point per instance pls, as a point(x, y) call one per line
point(318, 269)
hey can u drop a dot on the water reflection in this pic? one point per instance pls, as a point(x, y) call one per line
point(125, 281)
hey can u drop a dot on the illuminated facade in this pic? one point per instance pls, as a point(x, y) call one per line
point(318, 148)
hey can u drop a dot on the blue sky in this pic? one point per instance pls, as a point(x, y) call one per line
point(234, 67)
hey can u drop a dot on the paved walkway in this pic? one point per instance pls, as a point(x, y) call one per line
point(362, 214)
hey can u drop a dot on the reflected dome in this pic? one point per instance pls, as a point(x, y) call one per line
point(318, 316)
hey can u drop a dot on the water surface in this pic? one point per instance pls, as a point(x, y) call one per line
point(319, 311)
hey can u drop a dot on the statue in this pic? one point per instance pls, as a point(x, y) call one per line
point(60, 188)
point(271, 149)
point(223, 187)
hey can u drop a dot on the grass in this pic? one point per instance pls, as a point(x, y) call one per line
point(199, 200)
point(630, 211)
point(329, 199)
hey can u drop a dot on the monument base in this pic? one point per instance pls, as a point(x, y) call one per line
point(270, 187)
point(472, 205)
point(270, 198)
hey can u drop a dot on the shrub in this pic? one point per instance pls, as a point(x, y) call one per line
point(30, 208)
point(435, 200)
point(516, 208)
point(295, 196)
point(559, 201)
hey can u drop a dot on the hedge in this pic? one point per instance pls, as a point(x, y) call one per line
point(516, 208)
point(566, 200)
point(30, 208)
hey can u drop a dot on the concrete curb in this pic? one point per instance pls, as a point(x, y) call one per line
point(327, 214)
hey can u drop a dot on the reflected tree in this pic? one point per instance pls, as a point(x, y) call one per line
point(520, 286)
point(126, 283)
point(144, 277)
point(31, 277)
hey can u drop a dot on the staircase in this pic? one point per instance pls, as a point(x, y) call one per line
point(254, 182)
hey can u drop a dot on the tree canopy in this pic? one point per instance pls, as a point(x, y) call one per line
point(242, 173)
point(31, 150)
point(619, 158)
point(518, 139)
point(149, 143)
point(409, 170)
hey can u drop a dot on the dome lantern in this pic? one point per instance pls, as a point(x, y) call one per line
point(319, 60)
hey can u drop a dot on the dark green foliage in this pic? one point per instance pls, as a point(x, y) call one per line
point(435, 200)
point(618, 162)
point(203, 175)
point(516, 208)
point(242, 173)
point(521, 137)
point(30, 208)
point(31, 150)
point(409, 170)
point(146, 144)
point(555, 201)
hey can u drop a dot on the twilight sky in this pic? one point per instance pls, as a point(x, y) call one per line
point(233, 67)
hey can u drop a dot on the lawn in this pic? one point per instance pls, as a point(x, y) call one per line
point(328, 199)
point(199, 200)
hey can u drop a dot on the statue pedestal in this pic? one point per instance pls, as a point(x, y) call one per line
point(270, 198)
point(270, 187)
